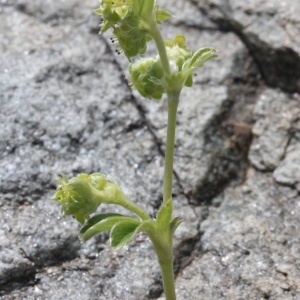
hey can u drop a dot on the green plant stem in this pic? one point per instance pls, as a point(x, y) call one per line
point(168, 279)
point(164, 246)
point(161, 48)
point(173, 99)
point(167, 274)
point(164, 252)
point(135, 209)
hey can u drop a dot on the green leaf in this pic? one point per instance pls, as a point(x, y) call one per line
point(164, 215)
point(174, 224)
point(148, 226)
point(189, 81)
point(96, 219)
point(162, 15)
point(122, 232)
point(143, 8)
point(201, 56)
point(98, 11)
point(100, 223)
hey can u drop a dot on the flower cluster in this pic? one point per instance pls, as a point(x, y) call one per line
point(147, 75)
point(80, 196)
point(131, 20)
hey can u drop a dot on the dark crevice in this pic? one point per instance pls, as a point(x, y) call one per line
point(133, 126)
point(279, 67)
point(290, 138)
point(184, 253)
point(229, 134)
point(27, 279)
point(66, 72)
point(17, 278)
point(196, 26)
point(20, 277)
point(43, 15)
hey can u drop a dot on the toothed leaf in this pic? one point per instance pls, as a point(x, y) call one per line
point(105, 224)
point(162, 15)
point(122, 232)
point(164, 215)
point(175, 223)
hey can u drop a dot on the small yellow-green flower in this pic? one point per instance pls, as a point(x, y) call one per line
point(147, 75)
point(80, 196)
point(77, 197)
point(184, 62)
point(131, 20)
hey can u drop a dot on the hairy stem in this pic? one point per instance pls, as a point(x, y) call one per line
point(161, 48)
point(164, 246)
point(135, 209)
point(167, 273)
point(164, 252)
point(173, 99)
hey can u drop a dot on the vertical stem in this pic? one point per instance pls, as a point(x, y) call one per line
point(173, 99)
point(164, 251)
point(161, 48)
point(167, 274)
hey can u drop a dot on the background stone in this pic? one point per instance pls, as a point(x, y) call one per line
point(65, 106)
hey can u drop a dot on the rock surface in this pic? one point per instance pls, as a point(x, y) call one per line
point(66, 107)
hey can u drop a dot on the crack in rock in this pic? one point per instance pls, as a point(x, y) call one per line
point(276, 54)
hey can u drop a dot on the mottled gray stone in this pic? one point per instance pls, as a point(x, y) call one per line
point(288, 171)
point(269, 29)
point(275, 113)
point(66, 107)
point(250, 247)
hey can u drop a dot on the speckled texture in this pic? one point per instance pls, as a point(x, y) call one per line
point(270, 29)
point(250, 245)
point(65, 106)
point(275, 114)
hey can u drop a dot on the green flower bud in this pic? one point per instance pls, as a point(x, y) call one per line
point(112, 11)
point(184, 62)
point(177, 53)
point(147, 77)
point(97, 180)
point(131, 20)
point(81, 196)
point(132, 39)
point(77, 197)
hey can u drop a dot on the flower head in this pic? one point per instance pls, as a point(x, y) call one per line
point(80, 196)
point(147, 74)
point(130, 20)
point(184, 61)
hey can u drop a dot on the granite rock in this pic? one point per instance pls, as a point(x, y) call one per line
point(269, 29)
point(65, 106)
